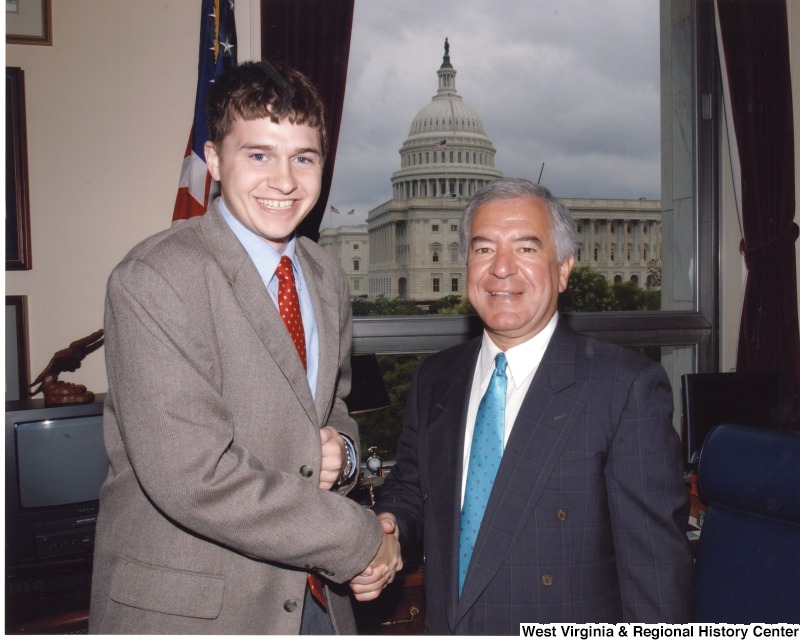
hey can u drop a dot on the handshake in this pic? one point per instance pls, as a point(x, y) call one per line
point(368, 584)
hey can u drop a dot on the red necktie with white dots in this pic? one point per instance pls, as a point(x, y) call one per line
point(289, 307)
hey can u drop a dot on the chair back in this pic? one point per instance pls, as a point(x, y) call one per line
point(748, 557)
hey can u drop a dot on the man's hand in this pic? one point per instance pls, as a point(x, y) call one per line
point(368, 584)
point(334, 457)
point(389, 524)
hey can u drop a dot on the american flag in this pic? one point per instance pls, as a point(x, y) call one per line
point(217, 54)
point(439, 146)
point(334, 209)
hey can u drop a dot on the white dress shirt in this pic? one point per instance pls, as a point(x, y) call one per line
point(522, 363)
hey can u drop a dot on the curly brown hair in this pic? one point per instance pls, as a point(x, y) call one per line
point(254, 90)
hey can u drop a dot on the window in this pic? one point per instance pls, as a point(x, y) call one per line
point(454, 285)
point(455, 253)
point(435, 228)
point(677, 249)
point(453, 228)
point(356, 264)
point(355, 247)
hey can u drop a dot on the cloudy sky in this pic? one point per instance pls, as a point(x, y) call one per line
point(572, 84)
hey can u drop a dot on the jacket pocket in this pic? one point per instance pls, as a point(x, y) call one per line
point(164, 590)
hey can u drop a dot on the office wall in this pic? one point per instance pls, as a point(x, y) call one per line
point(108, 113)
point(109, 106)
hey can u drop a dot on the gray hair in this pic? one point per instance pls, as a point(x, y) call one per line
point(565, 236)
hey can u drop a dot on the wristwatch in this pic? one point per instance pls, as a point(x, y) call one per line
point(348, 467)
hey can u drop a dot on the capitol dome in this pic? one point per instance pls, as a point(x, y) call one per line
point(447, 152)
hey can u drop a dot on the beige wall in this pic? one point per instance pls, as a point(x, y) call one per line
point(108, 113)
point(109, 107)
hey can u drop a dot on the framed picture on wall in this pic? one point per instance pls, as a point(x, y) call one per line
point(18, 232)
point(17, 363)
point(28, 22)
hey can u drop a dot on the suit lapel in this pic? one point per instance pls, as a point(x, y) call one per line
point(540, 432)
point(326, 314)
point(446, 445)
point(255, 302)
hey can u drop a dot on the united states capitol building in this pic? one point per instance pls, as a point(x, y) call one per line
point(410, 247)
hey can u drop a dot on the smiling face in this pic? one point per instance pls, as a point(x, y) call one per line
point(513, 274)
point(270, 175)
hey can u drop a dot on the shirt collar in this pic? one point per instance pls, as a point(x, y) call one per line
point(522, 359)
point(263, 255)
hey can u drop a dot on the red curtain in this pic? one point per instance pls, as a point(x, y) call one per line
point(755, 43)
point(313, 37)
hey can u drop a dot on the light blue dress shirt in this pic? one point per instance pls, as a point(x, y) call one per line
point(266, 260)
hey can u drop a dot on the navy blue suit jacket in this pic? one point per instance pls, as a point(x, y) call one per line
point(587, 518)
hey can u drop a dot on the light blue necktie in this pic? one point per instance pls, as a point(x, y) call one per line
point(484, 459)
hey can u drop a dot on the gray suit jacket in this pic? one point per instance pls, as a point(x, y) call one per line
point(587, 518)
point(209, 519)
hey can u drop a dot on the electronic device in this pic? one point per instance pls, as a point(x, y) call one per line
point(710, 399)
point(55, 465)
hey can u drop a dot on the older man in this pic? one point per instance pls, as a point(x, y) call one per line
point(539, 467)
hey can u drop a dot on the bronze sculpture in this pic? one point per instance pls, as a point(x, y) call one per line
point(58, 391)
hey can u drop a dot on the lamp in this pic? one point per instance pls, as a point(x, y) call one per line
point(367, 391)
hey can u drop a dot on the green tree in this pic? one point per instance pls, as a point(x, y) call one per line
point(383, 306)
point(625, 296)
point(653, 274)
point(445, 305)
point(628, 297)
point(587, 291)
point(361, 307)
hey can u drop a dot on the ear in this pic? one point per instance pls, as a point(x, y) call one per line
point(212, 159)
point(565, 268)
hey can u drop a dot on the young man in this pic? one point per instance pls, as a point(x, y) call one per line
point(225, 424)
point(585, 510)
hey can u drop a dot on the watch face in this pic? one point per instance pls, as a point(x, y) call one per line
point(373, 464)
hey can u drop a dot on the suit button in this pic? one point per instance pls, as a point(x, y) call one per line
point(306, 471)
point(547, 580)
point(290, 605)
point(561, 514)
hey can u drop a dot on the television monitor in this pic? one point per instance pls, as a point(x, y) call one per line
point(710, 399)
point(55, 465)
